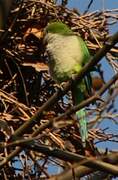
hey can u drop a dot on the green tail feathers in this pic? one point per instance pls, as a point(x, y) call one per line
point(81, 117)
point(78, 96)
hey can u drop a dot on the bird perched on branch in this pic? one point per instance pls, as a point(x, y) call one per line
point(68, 53)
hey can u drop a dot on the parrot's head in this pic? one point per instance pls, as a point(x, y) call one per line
point(58, 28)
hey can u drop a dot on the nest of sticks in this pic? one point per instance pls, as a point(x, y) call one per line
point(26, 86)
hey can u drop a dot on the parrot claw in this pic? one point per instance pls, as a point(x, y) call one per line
point(60, 86)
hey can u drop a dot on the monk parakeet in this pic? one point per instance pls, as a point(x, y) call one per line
point(67, 55)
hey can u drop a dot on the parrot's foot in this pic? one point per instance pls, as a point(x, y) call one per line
point(60, 86)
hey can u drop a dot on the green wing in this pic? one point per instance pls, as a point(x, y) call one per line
point(85, 51)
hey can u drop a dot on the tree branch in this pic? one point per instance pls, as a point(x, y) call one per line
point(95, 164)
point(77, 107)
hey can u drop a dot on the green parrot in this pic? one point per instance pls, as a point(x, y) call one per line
point(68, 53)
